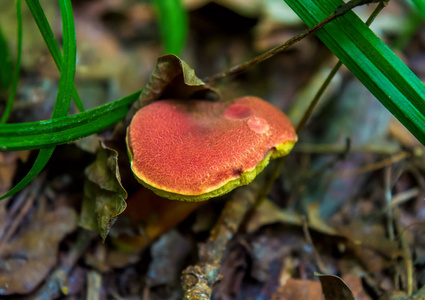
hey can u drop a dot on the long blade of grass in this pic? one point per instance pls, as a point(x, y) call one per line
point(52, 45)
point(173, 24)
point(15, 79)
point(420, 7)
point(63, 99)
point(370, 60)
point(5, 64)
point(41, 134)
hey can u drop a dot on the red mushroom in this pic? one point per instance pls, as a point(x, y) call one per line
point(196, 150)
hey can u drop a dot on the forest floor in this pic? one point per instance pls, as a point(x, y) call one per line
point(349, 202)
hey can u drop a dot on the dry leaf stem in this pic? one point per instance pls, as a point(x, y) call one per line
point(340, 11)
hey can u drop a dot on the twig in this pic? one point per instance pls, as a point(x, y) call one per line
point(300, 126)
point(340, 11)
point(94, 285)
point(389, 207)
point(341, 148)
point(405, 196)
point(338, 65)
point(407, 255)
point(374, 166)
point(56, 284)
point(198, 280)
point(319, 262)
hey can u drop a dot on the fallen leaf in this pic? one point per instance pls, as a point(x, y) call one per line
point(172, 79)
point(335, 288)
point(104, 195)
point(27, 260)
point(168, 255)
point(297, 289)
point(268, 213)
point(356, 286)
point(371, 236)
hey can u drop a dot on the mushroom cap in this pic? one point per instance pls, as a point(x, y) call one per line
point(196, 150)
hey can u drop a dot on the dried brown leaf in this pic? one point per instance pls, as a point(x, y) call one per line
point(335, 288)
point(27, 260)
point(356, 286)
point(172, 79)
point(268, 213)
point(104, 195)
point(297, 289)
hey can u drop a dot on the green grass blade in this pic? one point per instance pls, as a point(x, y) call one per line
point(71, 134)
point(15, 81)
point(66, 81)
point(60, 125)
point(41, 134)
point(420, 7)
point(173, 24)
point(370, 60)
point(52, 45)
point(5, 64)
point(63, 99)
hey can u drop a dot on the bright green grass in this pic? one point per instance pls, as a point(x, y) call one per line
point(370, 60)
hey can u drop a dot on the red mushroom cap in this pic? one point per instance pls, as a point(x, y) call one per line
point(196, 150)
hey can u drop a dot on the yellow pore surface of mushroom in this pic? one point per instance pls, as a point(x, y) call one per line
point(196, 150)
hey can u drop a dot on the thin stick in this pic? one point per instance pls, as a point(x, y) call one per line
point(340, 11)
point(276, 171)
point(319, 262)
point(198, 280)
point(407, 255)
point(374, 166)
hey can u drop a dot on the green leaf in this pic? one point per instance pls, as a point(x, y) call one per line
point(173, 24)
point(12, 94)
point(63, 99)
point(420, 7)
point(104, 195)
point(370, 60)
point(52, 45)
point(42, 134)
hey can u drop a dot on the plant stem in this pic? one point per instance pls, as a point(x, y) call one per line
point(340, 11)
point(300, 126)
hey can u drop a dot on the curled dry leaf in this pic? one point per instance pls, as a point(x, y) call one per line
point(335, 288)
point(104, 195)
point(172, 79)
point(28, 259)
point(269, 213)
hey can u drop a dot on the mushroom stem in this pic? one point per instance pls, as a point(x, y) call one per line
point(198, 280)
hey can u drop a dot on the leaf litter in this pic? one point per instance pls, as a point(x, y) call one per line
point(365, 227)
